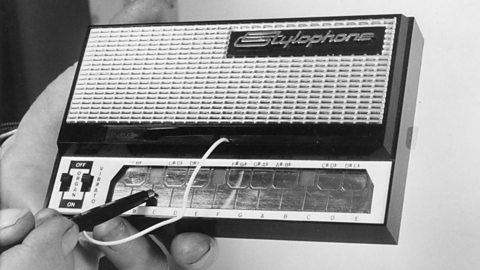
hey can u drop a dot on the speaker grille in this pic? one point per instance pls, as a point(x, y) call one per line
point(181, 75)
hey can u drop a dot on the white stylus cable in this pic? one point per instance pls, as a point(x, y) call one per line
point(170, 220)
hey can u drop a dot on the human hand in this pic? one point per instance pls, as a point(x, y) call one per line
point(45, 241)
point(27, 160)
point(48, 241)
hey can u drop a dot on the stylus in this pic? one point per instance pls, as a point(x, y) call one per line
point(100, 214)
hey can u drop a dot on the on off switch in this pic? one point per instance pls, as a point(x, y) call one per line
point(87, 180)
point(66, 181)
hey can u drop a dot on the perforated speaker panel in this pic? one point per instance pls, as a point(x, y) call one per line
point(180, 74)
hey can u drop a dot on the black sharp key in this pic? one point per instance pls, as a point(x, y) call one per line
point(354, 180)
point(262, 179)
point(157, 175)
point(202, 178)
point(175, 177)
point(307, 178)
point(219, 176)
point(239, 178)
point(135, 176)
point(329, 179)
point(285, 179)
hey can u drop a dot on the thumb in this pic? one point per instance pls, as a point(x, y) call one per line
point(53, 232)
point(194, 251)
point(15, 224)
point(139, 254)
point(47, 246)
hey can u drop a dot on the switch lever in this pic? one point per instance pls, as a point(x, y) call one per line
point(66, 181)
point(87, 180)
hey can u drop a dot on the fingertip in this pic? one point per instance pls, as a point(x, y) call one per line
point(113, 229)
point(194, 250)
point(53, 231)
point(139, 253)
point(44, 214)
point(15, 224)
point(10, 217)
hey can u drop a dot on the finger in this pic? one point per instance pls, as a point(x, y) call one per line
point(26, 188)
point(53, 232)
point(194, 250)
point(137, 254)
point(44, 215)
point(15, 224)
point(145, 11)
point(48, 246)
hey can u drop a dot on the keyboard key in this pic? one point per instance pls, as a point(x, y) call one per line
point(331, 190)
point(262, 179)
point(293, 199)
point(315, 200)
point(339, 201)
point(219, 176)
point(135, 176)
point(175, 177)
point(329, 179)
point(239, 178)
point(177, 197)
point(202, 178)
point(164, 195)
point(362, 200)
point(157, 175)
point(121, 191)
point(285, 179)
point(203, 197)
point(224, 197)
point(246, 199)
point(307, 178)
point(355, 180)
point(269, 199)
point(141, 188)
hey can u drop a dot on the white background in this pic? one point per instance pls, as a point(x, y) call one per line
point(441, 215)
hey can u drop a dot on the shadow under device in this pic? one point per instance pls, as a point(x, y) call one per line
point(318, 112)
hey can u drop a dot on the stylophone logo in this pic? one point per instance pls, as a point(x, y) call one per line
point(307, 42)
point(277, 38)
